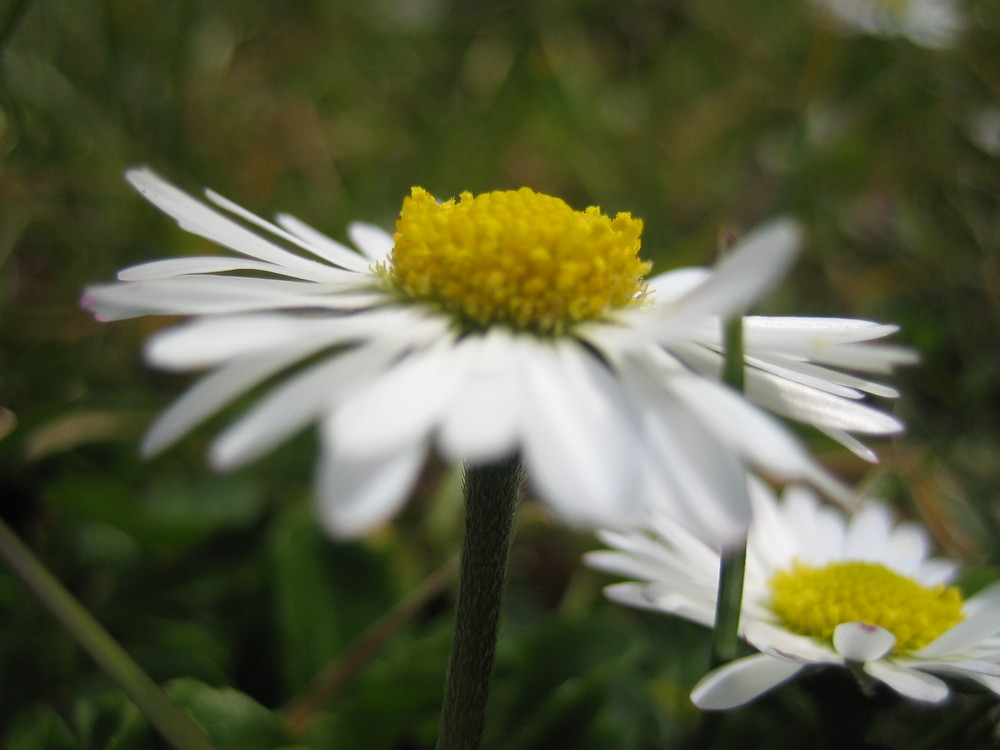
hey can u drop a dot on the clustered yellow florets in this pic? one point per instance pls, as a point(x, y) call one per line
point(815, 600)
point(515, 258)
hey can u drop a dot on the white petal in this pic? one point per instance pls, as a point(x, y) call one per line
point(323, 246)
point(821, 529)
point(850, 442)
point(908, 548)
point(813, 406)
point(579, 435)
point(355, 496)
point(295, 403)
point(859, 641)
point(213, 392)
point(843, 330)
point(777, 641)
point(675, 283)
point(748, 430)
point(208, 294)
point(742, 277)
point(195, 216)
point(373, 241)
point(403, 405)
point(868, 534)
point(964, 635)
point(988, 598)
point(207, 342)
point(295, 239)
point(909, 682)
point(165, 269)
point(691, 476)
point(481, 418)
point(741, 681)
point(772, 542)
point(938, 570)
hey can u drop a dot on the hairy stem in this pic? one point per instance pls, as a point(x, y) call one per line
point(492, 495)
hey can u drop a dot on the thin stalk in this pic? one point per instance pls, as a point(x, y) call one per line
point(339, 674)
point(176, 726)
point(492, 495)
point(732, 565)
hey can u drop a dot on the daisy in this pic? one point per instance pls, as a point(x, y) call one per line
point(820, 589)
point(505, 323)
point(930, 23)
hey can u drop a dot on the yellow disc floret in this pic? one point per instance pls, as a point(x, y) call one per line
point(515, 258)
point(815, 600)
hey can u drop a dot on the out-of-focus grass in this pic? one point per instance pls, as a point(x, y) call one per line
point(694, 115)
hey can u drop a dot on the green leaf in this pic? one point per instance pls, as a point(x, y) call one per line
point(40, 728)
point(233, 720)
point(326, 594)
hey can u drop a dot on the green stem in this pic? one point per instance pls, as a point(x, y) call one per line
point(732, 566)
point(492, 494)
point(177, 727)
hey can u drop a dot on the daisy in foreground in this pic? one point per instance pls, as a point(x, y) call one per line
point(820, 589)
point(491, 326)
point(929, 23)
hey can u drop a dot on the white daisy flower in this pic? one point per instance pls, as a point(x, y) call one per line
point(820, 589)
point(495, 324)
point(929, 23)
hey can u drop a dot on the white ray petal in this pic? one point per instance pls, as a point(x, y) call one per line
point(296, 402)
point(210, 394)
point(852, 444)
point(165, 269)
point(812, 406)
point(323, 246)
point(403, 405)
point(862, 642)
point(743, 427)
point(206, 342)
point(667, 287)
point(966, 634)
point(741, 681)
point(742, 277)
point(355, 495)
point(762, 328)
point(908, 682)
point(197, 217)
point(295, 239)
point(371, 240)
point(579, 435)
point(988, 598)
point(908, 548)
point(481, 418)
point(868, 535)
point(779, 642)
point(207, 294)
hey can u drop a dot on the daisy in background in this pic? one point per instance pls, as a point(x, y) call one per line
point(505, 323)
point(821, 589)
point(929, 23)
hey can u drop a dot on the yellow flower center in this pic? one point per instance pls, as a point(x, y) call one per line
point(815, 600)
point(515, 258)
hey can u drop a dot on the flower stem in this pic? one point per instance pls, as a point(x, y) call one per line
point(492, 494)
point(176, 726)
point(732, 566)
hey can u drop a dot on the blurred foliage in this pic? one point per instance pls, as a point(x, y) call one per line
point(693, 114)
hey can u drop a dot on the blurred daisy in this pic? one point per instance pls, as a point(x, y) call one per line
point(820, 589)
point(930, 23)
point(501, 323)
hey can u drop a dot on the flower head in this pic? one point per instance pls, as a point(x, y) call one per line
point(821, 589)
point(499, 323)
